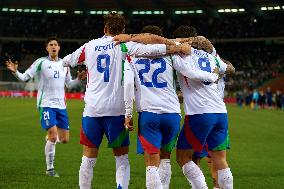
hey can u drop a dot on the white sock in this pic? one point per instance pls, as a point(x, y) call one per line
point(152, 178)
point(122, 171)
point(225, 178)
point(86, 172)
point(49, 154)
point(165, 172)
point(194, 175)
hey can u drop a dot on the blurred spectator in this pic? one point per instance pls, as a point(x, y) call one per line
point(255, 98)
point(269, 97)
point(240, 99)
point(278, 100)
point(262, 99)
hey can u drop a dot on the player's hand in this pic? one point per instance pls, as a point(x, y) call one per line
point(121, 38)
point(201, 42)
point(13, 67)
point(128, 123)
point(184, 48)
point(216, 70)
point(81, 75)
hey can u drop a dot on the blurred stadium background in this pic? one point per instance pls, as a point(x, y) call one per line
point(249, 33)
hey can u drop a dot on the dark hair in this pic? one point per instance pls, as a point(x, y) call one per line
point(184, 31)
point(115, 23)
point(51, 39)
point(152, 29)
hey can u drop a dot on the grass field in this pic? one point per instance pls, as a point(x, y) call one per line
point(256, 157)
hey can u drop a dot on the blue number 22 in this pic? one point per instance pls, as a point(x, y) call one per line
point(154, 82)
point(105, 69)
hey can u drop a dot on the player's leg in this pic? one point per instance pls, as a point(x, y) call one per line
point(62, 126)
point(118, 138)
point(91, 138)
point(48, 122)
point(217, 143)
point(150, 139)
point(165, 171)
point(197, 156)
point(213, 172)
point(170, 130)
point(192, 136)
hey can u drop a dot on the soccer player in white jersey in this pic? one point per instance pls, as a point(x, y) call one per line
point(158, 107)
point(50, 97)
point(184, 32)
point(206, 121)
point(104, 111)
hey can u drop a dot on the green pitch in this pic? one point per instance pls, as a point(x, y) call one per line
point(256, 157)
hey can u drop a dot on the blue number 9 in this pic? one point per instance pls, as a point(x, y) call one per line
point(207, 67)
point(105, 69)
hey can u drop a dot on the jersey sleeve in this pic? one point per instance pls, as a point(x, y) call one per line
point(220, 64)
point(34, 69)
point(75, 58)
point(68, 80)
point(187, 69)
point(150, 50)
point(21, 76)
point(128, 88)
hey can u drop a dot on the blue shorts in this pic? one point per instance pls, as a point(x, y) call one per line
point(204, 152)
point(157, 131)
point(94, 128)
point(209, 131)
point(50, 117)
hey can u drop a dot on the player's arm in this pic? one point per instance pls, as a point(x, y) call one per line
point(75, 58)
point(154, 50)
point(146, 38)
point(230, 70)
point(186, 69)
point(128, 94)
point(29, 73)
point(71, 83)
point(199, 42)
point(225, 67)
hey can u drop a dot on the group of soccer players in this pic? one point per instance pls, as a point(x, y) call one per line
point(143, 68)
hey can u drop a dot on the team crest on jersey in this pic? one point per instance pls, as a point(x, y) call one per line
point(49, 67)
point(47, 123)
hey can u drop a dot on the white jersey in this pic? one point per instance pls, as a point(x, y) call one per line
point(155, 82)
point(221, 86)
point(105, 64)
point(203, 97)
point(52, 79)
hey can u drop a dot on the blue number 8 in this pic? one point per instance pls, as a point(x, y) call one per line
point(104, 70)
point(154, 82)
point(207, 67)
